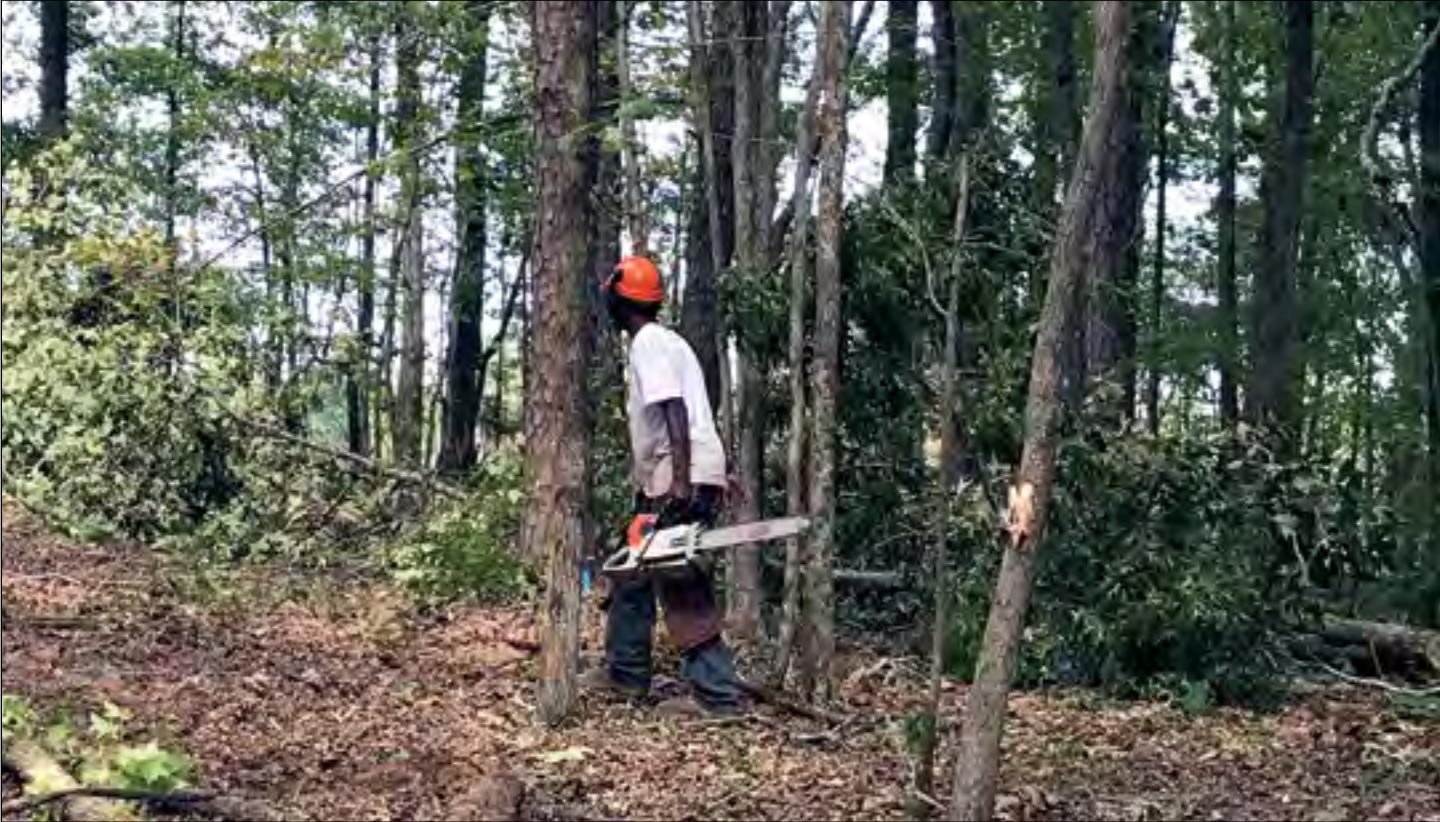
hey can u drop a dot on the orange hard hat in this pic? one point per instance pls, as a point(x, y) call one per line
point(636, 278)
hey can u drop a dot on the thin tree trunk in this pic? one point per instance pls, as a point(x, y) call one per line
point(564, 37)
point(1429, 225)
point(1056, 131)
point(746, 42)
point(902, 92)
point(1092, 225)
point(1272, 400)
point(1229, 342)
point(770, 152)
point(797, 448)
point(635, 212)
point(1162, 173)
point(361, 380)
point(942, 94)
point(949, 478)
point(54, 69)
point(467, 296)
point(409, 391)
point(172, 137)
point(819, 650)
point(713, 106)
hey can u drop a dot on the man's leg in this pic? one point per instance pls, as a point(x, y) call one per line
point(693, 620)
point(629, 634)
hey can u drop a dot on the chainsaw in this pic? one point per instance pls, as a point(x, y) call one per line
point(649, 549)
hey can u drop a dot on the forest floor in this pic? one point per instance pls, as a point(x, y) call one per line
point(330, 700)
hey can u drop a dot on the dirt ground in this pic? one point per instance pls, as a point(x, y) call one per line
point(331, 701)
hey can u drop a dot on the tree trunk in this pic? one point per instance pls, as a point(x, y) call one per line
point(467, 295)
point(629, 149)
point(747, 42)
point(1109, 330)
point(1056, 128)
point(951, 454)
point(558, 460)
point(172, 136)
point(409, 390)
point(54, 69)
point(713, 103)
point(819, 650)
point(902, 91)
point(1229, 343)
point(1429, 225)
point(797, 448)
point(360, 380)
point(942, 89)
point(776, 34)
point(1162, 173)
point(1093, 226)
point(1272, 400)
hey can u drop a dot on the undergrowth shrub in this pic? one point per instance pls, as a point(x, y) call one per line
point(1169, 566)
point(468, 549)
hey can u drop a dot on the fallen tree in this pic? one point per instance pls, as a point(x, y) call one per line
point(1380, 648)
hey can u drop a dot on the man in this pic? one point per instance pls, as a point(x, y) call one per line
point(679, 473)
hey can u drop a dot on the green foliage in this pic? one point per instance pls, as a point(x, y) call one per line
point(99, 752)
point(468, 549)
point(1168, 568)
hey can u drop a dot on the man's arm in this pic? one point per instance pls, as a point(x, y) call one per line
point(677, 426)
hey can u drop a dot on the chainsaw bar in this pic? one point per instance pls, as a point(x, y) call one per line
point(675, 547)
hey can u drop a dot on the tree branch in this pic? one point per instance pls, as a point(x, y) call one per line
point(1375, 170)
point(366, 463)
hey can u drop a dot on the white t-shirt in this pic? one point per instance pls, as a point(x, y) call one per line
point(663, 367)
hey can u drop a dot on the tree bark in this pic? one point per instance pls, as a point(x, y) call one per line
point(1056, 129)
point(1272, 400)
point(409, 390)
point(713, 104)
point(1429, 225)
point(359, 383)
point(902, 91)
point(819, 650)
point(172, 136)
point(1109, 330)
point(54, 69)
point(564, 35)
point(942, 89)
point(951, 454)
point(635, 211)
point(1162, 173)
point(467, 295)
point(1229, 343)
point(797, 447)
point(747, 42)
point(1092, 226)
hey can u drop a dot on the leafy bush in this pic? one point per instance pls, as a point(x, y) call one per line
point(1168, 565)
point(97, 751)
point(468, 549)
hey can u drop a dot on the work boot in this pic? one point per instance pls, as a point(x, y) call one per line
point(687, 707)
point(599, 679)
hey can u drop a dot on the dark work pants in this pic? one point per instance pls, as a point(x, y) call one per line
point(691, 616)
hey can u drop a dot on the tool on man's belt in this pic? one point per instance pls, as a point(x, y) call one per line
point(651, 549)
